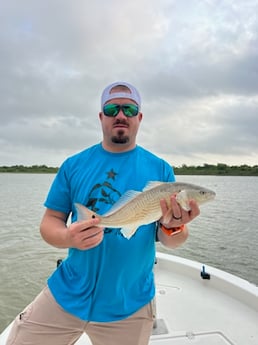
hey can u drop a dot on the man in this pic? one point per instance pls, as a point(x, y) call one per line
point(105, 286)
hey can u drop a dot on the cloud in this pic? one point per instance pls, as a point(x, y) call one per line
point(195, 64)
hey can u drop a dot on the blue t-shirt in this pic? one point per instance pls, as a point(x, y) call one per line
point(115, 279)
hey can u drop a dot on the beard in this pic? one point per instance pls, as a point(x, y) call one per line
point(120, 138)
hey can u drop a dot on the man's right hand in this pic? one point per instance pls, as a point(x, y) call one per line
point(85, 234)
point(81, 235)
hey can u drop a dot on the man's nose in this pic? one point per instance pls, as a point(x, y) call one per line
point(121, 114)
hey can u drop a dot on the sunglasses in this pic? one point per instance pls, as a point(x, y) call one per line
point(112, 110)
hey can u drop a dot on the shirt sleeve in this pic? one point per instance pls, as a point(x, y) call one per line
point(59, 196)
point(169, 175)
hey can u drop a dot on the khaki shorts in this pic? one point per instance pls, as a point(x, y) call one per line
point(44, 322)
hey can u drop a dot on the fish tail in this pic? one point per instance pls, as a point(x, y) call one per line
point(83, 213)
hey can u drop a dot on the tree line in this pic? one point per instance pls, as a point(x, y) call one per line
point(205, 169)
point(44, 169)
point(218, 169)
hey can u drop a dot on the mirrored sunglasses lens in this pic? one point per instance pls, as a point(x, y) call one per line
point(130, 110)
point(111, 109)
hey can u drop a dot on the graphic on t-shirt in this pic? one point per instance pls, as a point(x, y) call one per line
point(103, 193)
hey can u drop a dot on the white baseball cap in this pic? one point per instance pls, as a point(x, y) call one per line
point(107, 95)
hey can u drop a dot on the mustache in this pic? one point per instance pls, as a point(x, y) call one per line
point(121, 122)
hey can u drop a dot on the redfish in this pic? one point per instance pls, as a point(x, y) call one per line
point(136, 208)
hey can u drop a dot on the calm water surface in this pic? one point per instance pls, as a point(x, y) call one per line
point(224, 236)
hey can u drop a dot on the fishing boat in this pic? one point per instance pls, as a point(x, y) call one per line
point(198, 304)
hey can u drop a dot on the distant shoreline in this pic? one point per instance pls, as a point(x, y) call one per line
point(206, 169)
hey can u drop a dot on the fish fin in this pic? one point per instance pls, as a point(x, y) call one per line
point(125, 198)
point(83, 213)
point(128, 232)
point(152, 184)
point(182, 199)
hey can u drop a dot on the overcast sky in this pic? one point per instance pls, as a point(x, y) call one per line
point(195, 63)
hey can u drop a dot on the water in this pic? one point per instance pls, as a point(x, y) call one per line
point(224, 236)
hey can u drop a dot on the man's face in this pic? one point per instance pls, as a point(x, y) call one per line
point(119, 132)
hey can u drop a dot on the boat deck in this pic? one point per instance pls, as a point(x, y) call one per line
point(219, 311)
point(222, 310)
